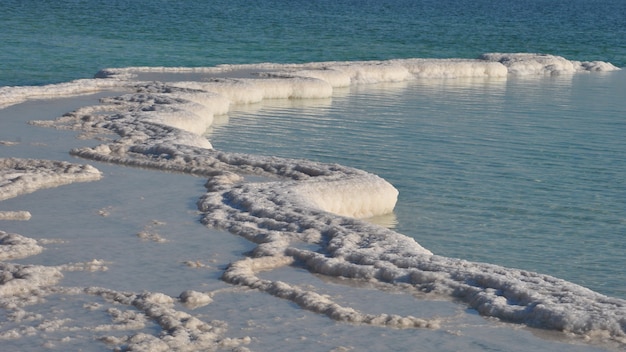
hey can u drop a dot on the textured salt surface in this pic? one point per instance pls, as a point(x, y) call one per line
point(305, 216)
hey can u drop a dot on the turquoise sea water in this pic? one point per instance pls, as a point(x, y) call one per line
point(45, 41)
point(523, 172)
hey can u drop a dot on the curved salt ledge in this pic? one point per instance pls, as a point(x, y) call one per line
point(342, 74)
point(293, 219)
point(18, 94)
point(320, 75)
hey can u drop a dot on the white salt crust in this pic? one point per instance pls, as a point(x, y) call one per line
point(307, 216)
point(22, 176)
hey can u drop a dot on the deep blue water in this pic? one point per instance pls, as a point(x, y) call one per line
point(53, 41)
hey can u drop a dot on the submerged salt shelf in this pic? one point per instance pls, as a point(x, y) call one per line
point(298, 214)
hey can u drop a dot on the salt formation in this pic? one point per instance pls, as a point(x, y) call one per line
point(534, 64)
point(195, 299)
point(21, 285)
point(21, 176)
point(26, 285)
point(307, 214)
point(15, 215)
point(180, 331)
point(14, 246)
point(342, 74)
point(18, 94)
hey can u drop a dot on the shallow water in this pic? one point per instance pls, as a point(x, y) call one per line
point(139, 231)
point(525, 173)
point(102, 220)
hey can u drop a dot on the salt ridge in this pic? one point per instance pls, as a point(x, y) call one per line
point(307, 214)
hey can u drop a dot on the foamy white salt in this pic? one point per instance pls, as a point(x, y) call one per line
point(307, 213)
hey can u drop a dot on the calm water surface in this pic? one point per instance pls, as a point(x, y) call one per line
point(525, 173)
point(47, 42)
